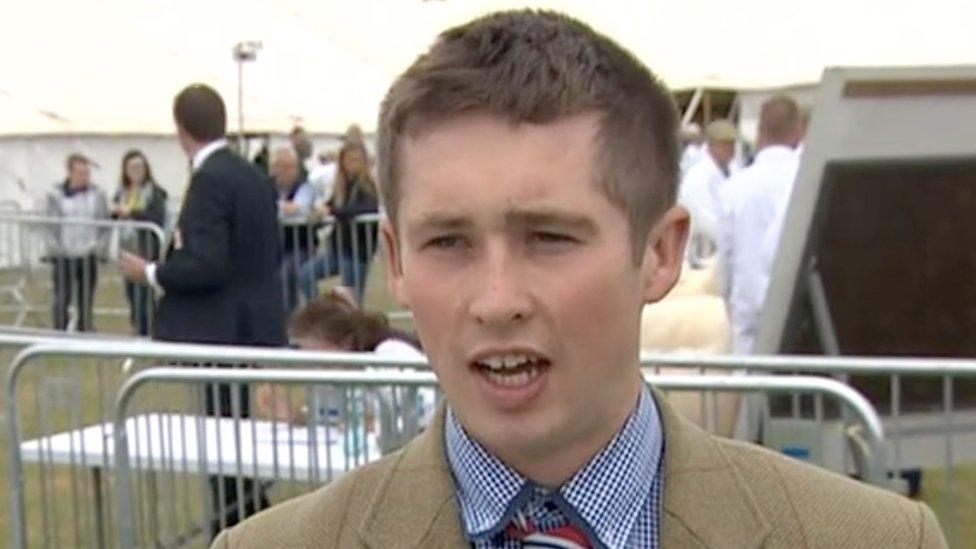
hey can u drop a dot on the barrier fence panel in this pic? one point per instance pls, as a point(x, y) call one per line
point(937, 442)
point(320, 248)
point(57, 389)
point(274, 440)
point(264, 459)
point(11, 342)
point(930, 449)
point(53, 268)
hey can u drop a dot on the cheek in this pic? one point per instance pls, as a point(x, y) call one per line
point(432, 306)
point(594, 304)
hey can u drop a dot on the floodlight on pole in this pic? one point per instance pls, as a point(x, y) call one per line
point(243, 52)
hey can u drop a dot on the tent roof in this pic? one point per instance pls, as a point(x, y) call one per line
point(113, 66)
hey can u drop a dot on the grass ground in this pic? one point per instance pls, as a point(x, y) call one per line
point(957, 514)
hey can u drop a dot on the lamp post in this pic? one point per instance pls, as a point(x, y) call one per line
point(243, 52)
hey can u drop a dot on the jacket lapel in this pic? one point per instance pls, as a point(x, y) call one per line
point(706, 501)
point(415, 505)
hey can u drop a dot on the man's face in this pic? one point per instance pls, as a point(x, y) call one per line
point(522, 281)
point(722, 151)
point(79, 174)
point(285, 171)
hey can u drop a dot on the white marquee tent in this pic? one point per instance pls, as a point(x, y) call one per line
point(98, 76)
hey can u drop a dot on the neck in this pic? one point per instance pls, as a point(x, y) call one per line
point(193, 148)
point(767, 143)
point(554, 463)
point(722, 164)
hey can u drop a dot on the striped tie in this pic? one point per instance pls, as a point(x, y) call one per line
point(562, 537)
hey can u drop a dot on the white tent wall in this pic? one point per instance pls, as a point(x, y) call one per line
point(112, 66)
point(30, 165)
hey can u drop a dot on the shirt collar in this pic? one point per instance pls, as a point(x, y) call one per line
point(201, 156)
point(713, 164)
point(608, 493)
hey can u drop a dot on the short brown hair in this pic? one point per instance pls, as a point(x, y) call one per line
point(535, 67)
point(199, 110)
point(780, 120)
point(333, 318)
point(76, 158)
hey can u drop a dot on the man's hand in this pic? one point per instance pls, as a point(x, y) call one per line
point(133, 267)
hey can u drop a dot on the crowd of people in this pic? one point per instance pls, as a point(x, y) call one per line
point(738, 208)
point(317, 209)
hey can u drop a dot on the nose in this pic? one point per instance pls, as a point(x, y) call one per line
point(502, 298)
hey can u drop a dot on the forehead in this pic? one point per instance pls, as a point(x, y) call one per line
point(476, 159)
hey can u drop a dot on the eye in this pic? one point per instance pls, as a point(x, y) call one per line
point(544, 237)
point(446, 242)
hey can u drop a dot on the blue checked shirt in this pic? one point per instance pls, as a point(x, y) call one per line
point(615, 498)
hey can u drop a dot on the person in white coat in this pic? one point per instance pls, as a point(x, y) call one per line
point(751, 199)
point(701, 187)
point(691, 146)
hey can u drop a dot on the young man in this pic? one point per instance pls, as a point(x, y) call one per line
point(221, 281)
point(75, 249)
point(529, 170)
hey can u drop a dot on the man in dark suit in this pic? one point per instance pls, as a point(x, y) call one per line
point(221, 282)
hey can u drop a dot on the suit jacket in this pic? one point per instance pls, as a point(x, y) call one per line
point(717, 493)
point(221, 278)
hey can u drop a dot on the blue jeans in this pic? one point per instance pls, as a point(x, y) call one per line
point(290, 265)
point(353, 271)
point(140, 306)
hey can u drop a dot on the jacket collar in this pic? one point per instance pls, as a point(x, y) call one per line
point(415, 504)
point(706, 501)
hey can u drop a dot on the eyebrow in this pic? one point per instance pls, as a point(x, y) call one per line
point(517, 217)
point(550, 218)
point(441, 221)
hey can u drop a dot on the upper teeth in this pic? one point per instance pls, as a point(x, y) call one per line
point(507, 362)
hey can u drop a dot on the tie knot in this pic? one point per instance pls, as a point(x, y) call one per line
point(568, 536)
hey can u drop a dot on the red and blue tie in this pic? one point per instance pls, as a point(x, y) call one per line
point(562, 537)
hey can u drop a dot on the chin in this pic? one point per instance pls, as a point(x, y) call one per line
point(525, 432)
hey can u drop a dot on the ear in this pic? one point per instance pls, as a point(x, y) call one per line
point(394, 263)
point(665, 253)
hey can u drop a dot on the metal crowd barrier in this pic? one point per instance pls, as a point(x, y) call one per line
point(945, 444)
point(64, 386)
point(930, 451)
point(50, 266)
point(319, 248)
point(323, 454)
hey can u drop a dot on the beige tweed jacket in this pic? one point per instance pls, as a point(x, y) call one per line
point(717, 493)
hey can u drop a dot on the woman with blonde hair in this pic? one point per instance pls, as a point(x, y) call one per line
point(350, 246)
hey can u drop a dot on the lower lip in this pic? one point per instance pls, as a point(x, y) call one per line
point(508, 397)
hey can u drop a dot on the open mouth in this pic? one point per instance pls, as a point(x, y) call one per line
point(511, 370)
